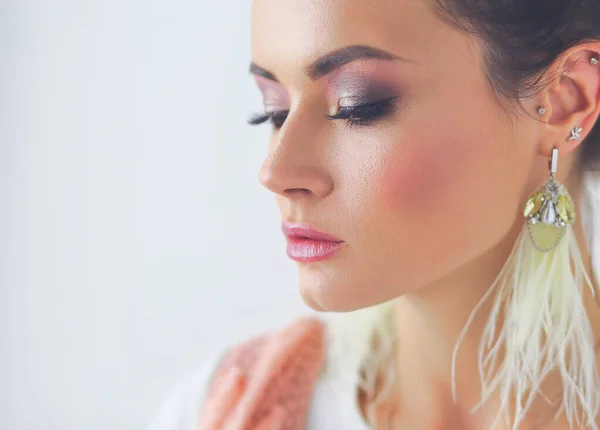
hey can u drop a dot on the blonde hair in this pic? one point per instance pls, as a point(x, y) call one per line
point(538, 297)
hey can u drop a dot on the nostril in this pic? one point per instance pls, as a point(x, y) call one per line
point(292, 179)
point(297, 191)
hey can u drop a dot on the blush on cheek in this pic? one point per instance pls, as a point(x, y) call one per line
point(415, 179)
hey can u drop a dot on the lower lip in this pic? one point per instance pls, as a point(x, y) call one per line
point(309, 250)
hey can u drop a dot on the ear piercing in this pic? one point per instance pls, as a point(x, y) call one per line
point(593, 61)
point(575, 133)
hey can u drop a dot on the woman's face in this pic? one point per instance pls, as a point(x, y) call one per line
point(427, 179)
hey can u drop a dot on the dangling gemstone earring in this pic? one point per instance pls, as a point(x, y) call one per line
point(549, 210)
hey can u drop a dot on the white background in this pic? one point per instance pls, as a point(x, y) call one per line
point(135, 238)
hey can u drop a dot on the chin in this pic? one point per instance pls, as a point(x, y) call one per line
point(311, 302)
point(327, 296)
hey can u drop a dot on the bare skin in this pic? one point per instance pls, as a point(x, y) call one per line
point(428, 198)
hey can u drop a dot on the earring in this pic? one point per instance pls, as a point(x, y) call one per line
point(549, 210)
point(594, 60)
point(575, 133)
point(541, 110)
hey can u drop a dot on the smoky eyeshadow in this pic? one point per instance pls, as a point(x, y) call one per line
point(361, 92)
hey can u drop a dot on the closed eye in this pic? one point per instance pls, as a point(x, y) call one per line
point(365, 114)
point(277, 118)
point(360, 115)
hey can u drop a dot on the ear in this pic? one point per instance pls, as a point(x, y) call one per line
point(572, 99)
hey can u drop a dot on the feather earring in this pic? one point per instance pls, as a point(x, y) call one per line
point(538, 323)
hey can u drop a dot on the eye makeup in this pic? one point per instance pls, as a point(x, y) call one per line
point(359, 95)
point(360, 99)
point(273, 93)
point(365, 113)
point(276, 101)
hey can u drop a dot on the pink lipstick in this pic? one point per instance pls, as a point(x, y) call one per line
point(306, 244)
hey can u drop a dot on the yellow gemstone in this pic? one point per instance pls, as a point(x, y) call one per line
point(566, 210)
point(534, 204)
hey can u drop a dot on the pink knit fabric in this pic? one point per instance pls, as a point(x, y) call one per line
point(280, 370)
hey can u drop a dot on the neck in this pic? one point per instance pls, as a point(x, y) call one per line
point(429, 323)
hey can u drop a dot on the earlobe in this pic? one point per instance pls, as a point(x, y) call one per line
point(571, 102)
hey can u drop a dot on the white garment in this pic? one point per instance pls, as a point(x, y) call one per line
point(330, 408)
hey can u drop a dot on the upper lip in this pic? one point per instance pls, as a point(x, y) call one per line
point(307, 232)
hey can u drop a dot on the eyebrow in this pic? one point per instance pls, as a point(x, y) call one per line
point(334, 60)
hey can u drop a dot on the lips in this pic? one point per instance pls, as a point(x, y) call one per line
point(304, 231)
point(306, 244)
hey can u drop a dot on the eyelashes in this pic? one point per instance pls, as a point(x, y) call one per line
point(365, 114)
point(277, 118)
point(358, 115)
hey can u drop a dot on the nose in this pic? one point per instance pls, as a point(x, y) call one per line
point(296, 165)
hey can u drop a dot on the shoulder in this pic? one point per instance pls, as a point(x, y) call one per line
point(279, 369)
point(317, 357)
point(282, 364)
point(297, 347)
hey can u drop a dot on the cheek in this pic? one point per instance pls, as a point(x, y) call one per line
point(437, 187)
point(416, 176)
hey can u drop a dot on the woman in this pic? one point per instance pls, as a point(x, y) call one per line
point(437, 168)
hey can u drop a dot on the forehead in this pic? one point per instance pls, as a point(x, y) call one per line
point(288, 34)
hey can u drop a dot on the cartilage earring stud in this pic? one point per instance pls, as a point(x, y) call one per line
point(541, 110)
point(594, 60)
point(549, 210)
point(575, 133)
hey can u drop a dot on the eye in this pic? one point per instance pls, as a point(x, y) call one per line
point(277, 118)
point(365, 114)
